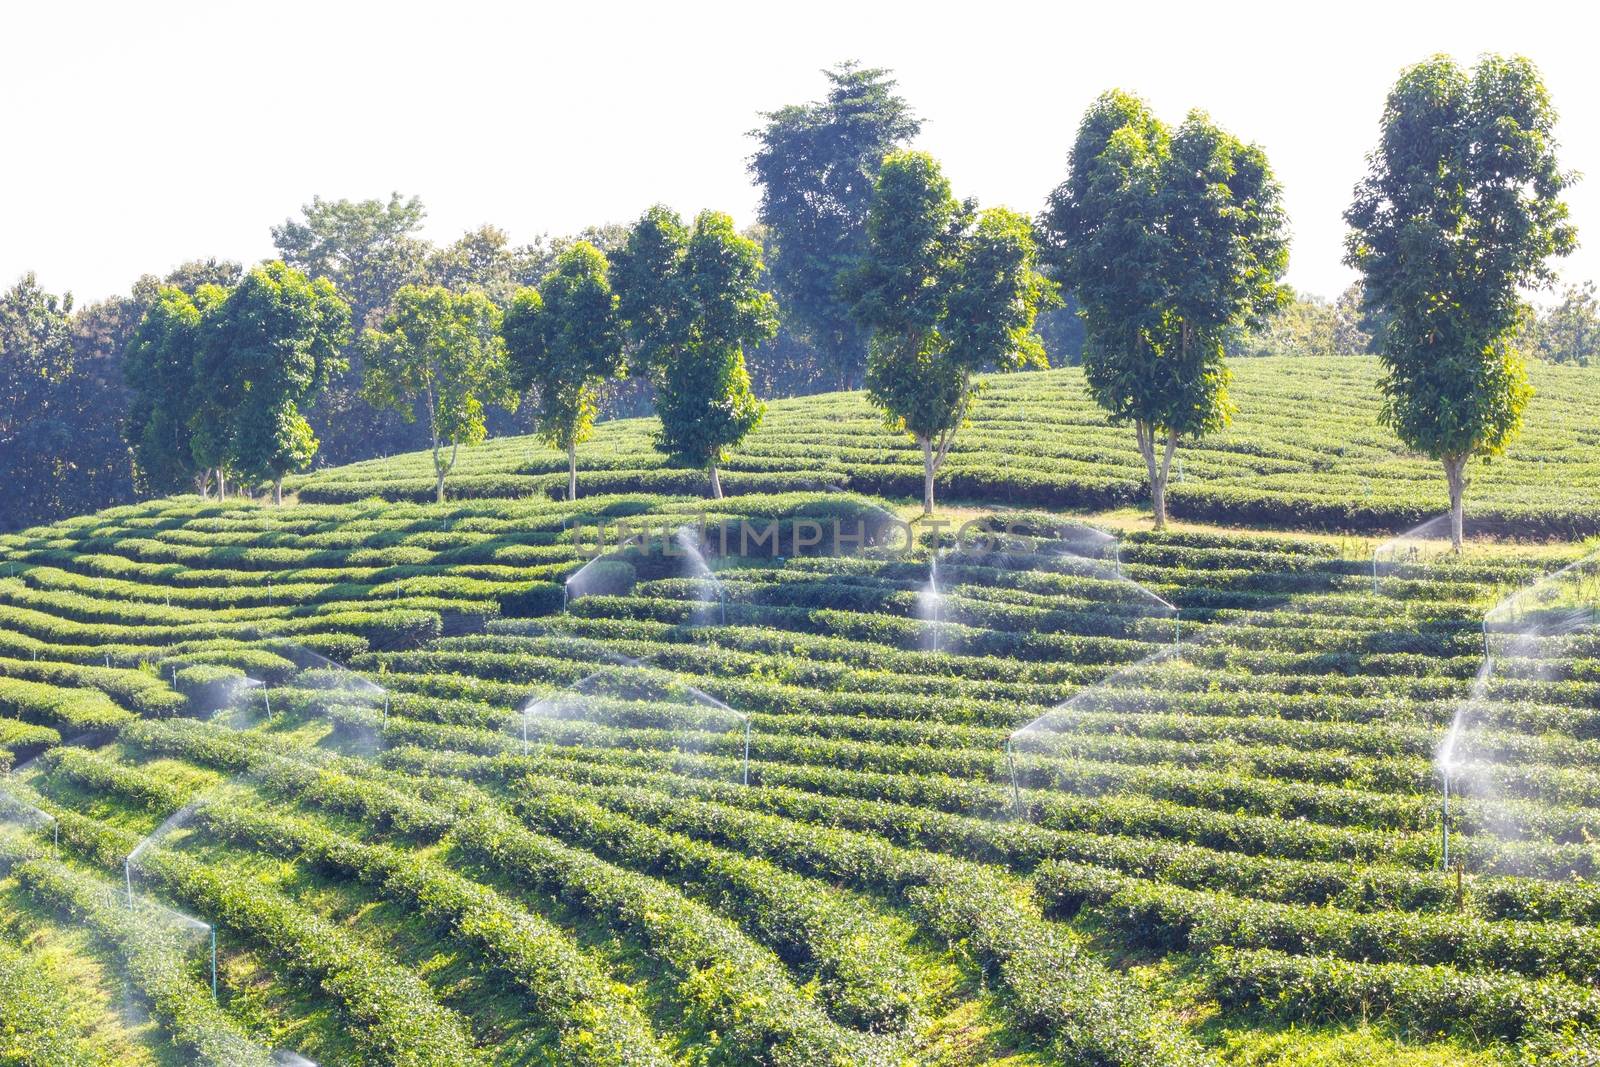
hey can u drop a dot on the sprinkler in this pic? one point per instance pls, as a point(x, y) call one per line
point(1016, 789)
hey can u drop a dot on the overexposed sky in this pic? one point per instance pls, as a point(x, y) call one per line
point(139, 135)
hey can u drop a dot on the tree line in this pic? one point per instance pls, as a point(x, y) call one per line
point(1159, 255)
point(221, 376)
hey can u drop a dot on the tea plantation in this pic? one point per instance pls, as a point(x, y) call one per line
point(438, 804)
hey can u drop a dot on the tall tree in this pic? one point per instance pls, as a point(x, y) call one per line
point(1171, 241)
point(35, 416)
point(563, 340)
point(156, 365)
point(816, 166)
point(946, 293)
point(369, 249)
point(1460, 209)
point(270, 348)
point(442, 351)
point(692, 302)
point(162, 361)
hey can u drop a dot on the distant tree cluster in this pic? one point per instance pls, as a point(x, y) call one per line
point(1567, 332)
point(675, 305)
point(220, 377)
point(1308, 325)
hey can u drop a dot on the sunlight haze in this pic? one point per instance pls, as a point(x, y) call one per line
point(162, 137)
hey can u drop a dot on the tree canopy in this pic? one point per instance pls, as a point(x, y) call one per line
point(946, 292)
point(692, 301)
point(269, 349)
point(1171, 240)
point(162, 359)
point(563, 340)
point(816, 166)
point(1459, 211)
point(444, 351)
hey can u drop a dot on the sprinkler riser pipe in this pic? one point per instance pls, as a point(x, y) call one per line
point(1444, 825)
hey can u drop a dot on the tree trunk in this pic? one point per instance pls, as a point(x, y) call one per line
point(1157, 468)
point(1455, 474)
point(716, 482)
point(572, 470)
point(928, 471)
point(442, 468)
point(277, 491)
point(1144, 433)
point(439, 467)
point(202, 484)
point(222, 485)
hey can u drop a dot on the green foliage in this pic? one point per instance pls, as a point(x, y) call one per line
point(485, 260)
point(156, 964)
point(691, 303)
point(599, 1026)
point(443, 349)
point(1309, 326)
point(161, 361)
point(563, 340)
point(67, 709)
point(945, 296)
point(40, 1026)
point(1246, 823)
point(267, 350)
point(817, 165)
point(1569, 332)
point(1171, 240)
point(1192, 219)
point(61, 394)
point(369, 249)
point(1460, 209)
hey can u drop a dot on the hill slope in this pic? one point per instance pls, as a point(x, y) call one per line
point(1305, 450)
point(791, 804)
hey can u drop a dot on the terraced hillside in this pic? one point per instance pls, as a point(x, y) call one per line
point(1305, 451)
point(446, 792)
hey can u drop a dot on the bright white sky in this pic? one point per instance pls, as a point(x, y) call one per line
point(139, 135)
